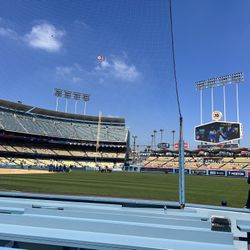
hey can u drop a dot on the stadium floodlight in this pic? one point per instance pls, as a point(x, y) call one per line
point(152, 141)
point(57, 93)
point(161, 131)
point(85, 98)
point(76, 97)
point(155, 131)
point(67, 94)
point(173, 132)
point(221, 81)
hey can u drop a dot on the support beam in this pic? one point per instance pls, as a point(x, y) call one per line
point(224, 103)
point(237, 102)
point(201, 107)
point(66, 105)
point(181, 167)
point(212, 100)
point(57, 103)
point(85, 107)
point(75, 106)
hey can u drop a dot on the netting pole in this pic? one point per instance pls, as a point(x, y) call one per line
point(181, 142)
point(181, 167)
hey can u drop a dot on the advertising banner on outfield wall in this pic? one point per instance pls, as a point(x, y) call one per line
point(177, 171)
point(199, 172)
point(169, 170)
point(217, 172)
point(236, 173)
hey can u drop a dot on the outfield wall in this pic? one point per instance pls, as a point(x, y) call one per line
point(209, 172)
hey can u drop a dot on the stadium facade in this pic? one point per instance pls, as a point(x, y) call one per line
point(36, 137)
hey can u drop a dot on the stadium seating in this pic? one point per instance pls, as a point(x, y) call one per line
point(23, 149)
point(26, 123)
point(31, 136)
point(52, 151)
point(217, 163)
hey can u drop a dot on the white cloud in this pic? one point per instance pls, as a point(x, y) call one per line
point(104, 65)
point(7, 32)
point(70, 73)
point(81, 23)
point(118, 69)
point(42, 36)
point(45, 36)
point(124, 71)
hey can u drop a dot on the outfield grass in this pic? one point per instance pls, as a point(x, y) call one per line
point(199, 189)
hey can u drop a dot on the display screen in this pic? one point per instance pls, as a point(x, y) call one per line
point(218, 132)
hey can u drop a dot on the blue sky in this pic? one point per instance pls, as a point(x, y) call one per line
point(48, 44)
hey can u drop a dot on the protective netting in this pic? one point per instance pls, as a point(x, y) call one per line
point(57, 45)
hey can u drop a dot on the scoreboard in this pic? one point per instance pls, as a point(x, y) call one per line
point(218, 132)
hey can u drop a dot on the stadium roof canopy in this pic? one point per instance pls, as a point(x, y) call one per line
point(40, 111)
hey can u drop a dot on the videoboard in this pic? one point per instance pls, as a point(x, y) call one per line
point(218, 132)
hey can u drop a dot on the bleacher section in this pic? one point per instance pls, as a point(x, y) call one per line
point(54, 127)
point(54, 153)
point(45, 163)
point(204, 163)
point(32, 136)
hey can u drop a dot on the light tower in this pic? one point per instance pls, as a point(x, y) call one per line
point(77, 97)
point(57, 94)
point(221, 81)
point(155, 131)
point(85, 99)
point(161, 131)
point(173, 132)
point(67, 94)
point(134, 141)
point(181, 142)
point(134, 146)
point(152, 141)
point(217, 82)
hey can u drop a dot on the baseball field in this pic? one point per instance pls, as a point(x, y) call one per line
point(199, 189)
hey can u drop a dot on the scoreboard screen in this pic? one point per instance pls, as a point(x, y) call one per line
point(218, 132)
